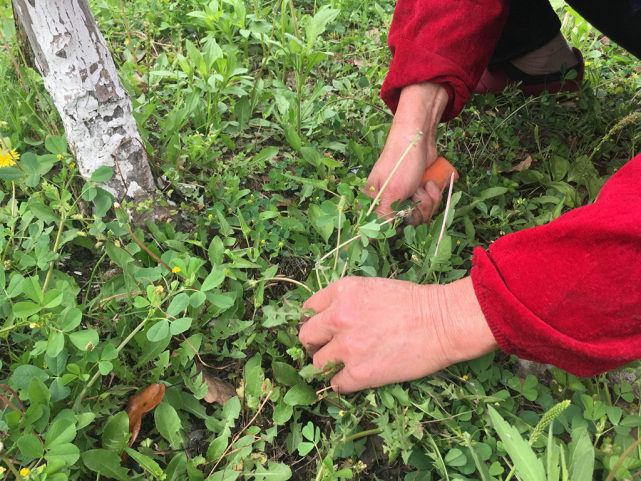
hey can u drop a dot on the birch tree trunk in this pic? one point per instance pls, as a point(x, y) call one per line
point(78, 71)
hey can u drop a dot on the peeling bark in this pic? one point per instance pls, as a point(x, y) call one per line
point(80, 75)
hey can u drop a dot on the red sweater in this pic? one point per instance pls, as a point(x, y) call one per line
point(567, 293)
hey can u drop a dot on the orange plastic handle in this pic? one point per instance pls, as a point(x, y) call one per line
point(439, 172)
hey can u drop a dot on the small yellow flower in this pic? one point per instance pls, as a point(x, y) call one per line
point(8, 158)
point(458, 242)
point(587, 64)
point(280, 244)
point(24, 471)
point(72, 165)
point(263, 241)
point(33, 325)
point(465, 377)
point(160, 289)
point(126, 41)
point(59, 156)
point(2, 470)
point(210, 217)
point(176, 270)
point(372, 189)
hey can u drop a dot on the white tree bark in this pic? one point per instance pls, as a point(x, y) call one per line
point(78, 71)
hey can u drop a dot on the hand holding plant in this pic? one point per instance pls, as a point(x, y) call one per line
point(386, 331)
point(420, 108)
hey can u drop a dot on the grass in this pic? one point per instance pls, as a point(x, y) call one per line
point(264, 120)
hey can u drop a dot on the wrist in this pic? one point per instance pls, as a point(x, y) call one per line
point(468, 334)
point(422, 105)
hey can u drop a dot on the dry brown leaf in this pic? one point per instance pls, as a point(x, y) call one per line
point(218, 391)
point(524, 164)
point(141, 403)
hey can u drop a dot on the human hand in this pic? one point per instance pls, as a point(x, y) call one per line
point(386, 331)
point(420, 108)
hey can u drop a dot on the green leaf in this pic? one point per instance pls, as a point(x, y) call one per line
point(102, 174)
point(292, 138)
point(581, 456)
point(106, 463)
point(10, 173)
point(317, 24)
point(159, 331)
point(213, 280)
point(61, 431)
point(85, 340)
point(53, 298)
point(103, 202)
point(66, 453)
point(56, 144)
point(455, 457)
point(221, 301)
point(71, 319)
point(25, 309)
point(30, 446)
point(528, 466)
point(273, 472)
point(178, 304)
point(38, 392)
point(300, 395)
point(285, 374)
point(179, 325)
point(21, 377)
point(168, 423)
point(55, 344)
point(147, 464)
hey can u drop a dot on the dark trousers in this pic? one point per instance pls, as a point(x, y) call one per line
point(533, 23)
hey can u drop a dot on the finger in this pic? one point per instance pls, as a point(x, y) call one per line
point(315, 333)
point(344, 383)
point(423, 210)
point(329, 353)
point(322, 299)
point(435, 193)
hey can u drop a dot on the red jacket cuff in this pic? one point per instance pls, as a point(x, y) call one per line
point(569, 293)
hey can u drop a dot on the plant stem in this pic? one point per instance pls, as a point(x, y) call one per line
point(362, 434)
point(357, 236)
point(447, 211)
point(125, 341)
point(285, 279)
point(389, 177)
point(56, 245)
point(624, 455)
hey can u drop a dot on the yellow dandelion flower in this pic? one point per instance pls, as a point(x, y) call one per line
point(59, 156)
point(72, 165)
point(8, 158)
point(24, 471)
point(176, 270)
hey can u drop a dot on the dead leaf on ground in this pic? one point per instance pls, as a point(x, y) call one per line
point(141, 403)
point(218, 391)
point(524, 164)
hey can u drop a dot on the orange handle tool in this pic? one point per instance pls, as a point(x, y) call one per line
point(439, 172)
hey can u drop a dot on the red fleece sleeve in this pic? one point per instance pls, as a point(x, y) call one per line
point(444, 41)
point(569, 293)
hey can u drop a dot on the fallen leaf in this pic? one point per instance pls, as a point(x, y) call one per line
point(141, 403)
point(524, 164)
point(218, 391)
